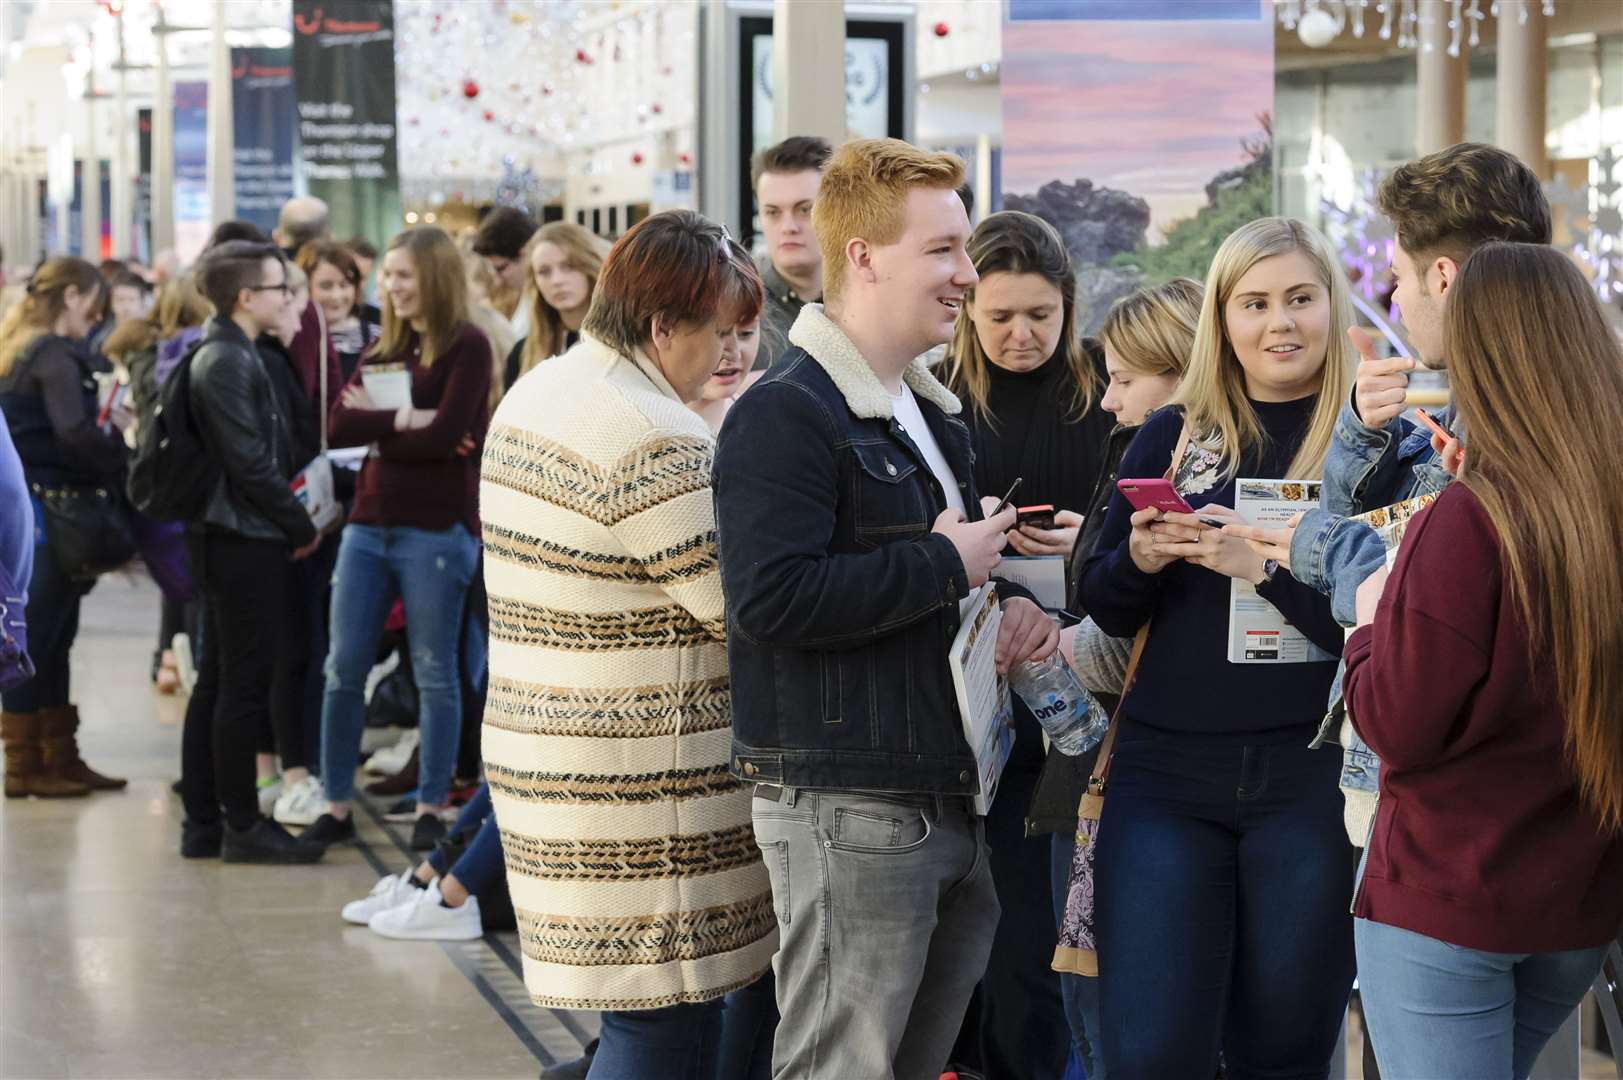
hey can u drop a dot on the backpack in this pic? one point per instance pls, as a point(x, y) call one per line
point(172, 470)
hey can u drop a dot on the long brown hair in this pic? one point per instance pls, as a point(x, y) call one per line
point(442, 295)
point(1012, 242)
point(585, 252)
point(1537, 375)
point(44, 303)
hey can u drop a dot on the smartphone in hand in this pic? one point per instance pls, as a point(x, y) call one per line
point(1437, 429)
point(1038, 517)
point(1159, 494)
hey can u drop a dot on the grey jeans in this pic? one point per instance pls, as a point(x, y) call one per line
point(886, 913)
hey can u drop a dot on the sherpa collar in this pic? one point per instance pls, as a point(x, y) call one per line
point(865, 395)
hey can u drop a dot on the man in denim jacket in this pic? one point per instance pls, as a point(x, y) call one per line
point(1443, 207)
point(850, 532)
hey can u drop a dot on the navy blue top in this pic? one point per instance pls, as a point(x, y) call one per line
point(1185, 682)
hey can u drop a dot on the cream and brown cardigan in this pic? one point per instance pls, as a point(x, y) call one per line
point(629, 851)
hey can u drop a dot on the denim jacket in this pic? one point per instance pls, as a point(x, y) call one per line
point(1365, 468)
point(841, 602)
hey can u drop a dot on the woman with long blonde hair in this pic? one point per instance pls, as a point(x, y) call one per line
point(563, 262)
point(1488, 676)
point(1222, 866)
point(48, 394)
point(413, 529)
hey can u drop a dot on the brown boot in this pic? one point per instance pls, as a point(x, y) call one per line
point(25, 761)
point(59, 738)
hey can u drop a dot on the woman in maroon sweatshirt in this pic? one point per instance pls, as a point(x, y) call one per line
point(413, 531)
point(1488, 676)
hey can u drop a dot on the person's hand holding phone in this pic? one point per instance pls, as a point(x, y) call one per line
point(1449, 452)
point(1382, 390)
point(1187, 537)
point(1143, 544)
point(1030, 540)
point(979, 543)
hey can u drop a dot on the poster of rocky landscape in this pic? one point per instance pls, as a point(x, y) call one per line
point(1142, 165)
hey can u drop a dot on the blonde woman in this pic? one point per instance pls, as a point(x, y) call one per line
point(564, 261)
point(1223, 870)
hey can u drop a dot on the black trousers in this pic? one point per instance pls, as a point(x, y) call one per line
point(53, 624)
point(244, 586)
point(298, 683)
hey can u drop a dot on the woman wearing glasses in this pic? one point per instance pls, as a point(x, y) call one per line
point(240, 551)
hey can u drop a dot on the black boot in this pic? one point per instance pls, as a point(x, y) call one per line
point(200, 839)
point(267, 842)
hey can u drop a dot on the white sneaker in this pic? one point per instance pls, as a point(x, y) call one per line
point(301, 803)
point(374, 739)
point(424, 918)
point(391, 759)
point(389, 892)
point(185, 667)
point(270, 795)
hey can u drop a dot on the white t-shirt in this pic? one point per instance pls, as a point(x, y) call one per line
point(906, 408)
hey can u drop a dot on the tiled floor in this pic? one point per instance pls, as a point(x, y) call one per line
point(120, 959)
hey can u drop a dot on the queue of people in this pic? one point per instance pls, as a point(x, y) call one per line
point(684, 536)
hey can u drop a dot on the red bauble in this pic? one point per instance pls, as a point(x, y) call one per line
point(582, 56)
point(656, 108)
point(470, 89)
point(942, 29)
point(685, 158)
point(636, 157)
point(489, 115)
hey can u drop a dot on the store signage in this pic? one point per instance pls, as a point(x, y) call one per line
point(263, 121)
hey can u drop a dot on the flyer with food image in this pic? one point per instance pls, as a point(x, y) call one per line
point(1258, 633)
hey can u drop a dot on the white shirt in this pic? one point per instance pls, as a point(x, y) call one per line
point(906, 409)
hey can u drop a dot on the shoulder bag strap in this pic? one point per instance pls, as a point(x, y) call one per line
point(1101, 767)
point(321, 325)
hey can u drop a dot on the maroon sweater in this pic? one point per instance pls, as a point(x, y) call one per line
point(417, 478)
point(1480, 839)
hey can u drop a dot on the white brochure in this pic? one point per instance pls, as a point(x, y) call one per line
point(1258, 633)
point(388, 385)
point(983, 694)
point(1044, 575)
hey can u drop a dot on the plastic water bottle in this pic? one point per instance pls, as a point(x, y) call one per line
point(1073, 717)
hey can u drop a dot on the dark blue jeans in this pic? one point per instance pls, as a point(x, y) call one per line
point(686, 1042)
point(1224, 878)
point(480, 865)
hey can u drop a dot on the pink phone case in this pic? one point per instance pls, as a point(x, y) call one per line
point(1157, 493)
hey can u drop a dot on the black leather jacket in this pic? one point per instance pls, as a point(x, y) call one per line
point(242, 423)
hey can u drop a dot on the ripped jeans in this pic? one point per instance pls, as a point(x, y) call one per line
point(430, 571)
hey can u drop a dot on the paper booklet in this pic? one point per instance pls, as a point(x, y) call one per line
point(388, 385)
point(983, 694)
point(1044, 575)
point(1391, 522)
point(1258, 633)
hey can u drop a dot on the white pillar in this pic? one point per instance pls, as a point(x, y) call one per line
point(808, 70)
point(90, 183)
point(983, 177)
point(1439, 83)
point(122, 181)
point(163, 147)
point(222, 181)
point(1519, 97)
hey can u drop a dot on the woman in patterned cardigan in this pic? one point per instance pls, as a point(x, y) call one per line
point(634, 872)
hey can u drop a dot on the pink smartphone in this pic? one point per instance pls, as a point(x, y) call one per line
point(1427, 419)
point(1157, 493)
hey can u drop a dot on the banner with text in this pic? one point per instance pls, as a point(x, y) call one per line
point(262, 121)
point(343, 75)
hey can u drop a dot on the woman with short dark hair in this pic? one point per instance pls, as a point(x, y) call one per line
point(608, 723)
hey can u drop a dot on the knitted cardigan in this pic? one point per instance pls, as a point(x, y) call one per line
point(630, 856)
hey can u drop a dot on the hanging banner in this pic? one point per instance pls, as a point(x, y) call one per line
point(262, 122)
point(191, 169)
point(343, 75)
